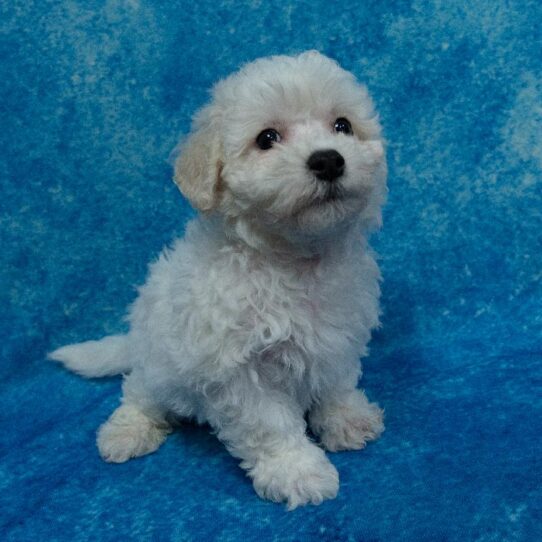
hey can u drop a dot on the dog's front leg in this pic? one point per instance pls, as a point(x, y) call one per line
point(265, 428)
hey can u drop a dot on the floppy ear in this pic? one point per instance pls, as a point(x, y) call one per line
point(198, 167)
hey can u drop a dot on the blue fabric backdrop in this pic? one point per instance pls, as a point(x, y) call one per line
point(93, 98)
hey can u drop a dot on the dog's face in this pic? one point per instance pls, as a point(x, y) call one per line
point(289, 144)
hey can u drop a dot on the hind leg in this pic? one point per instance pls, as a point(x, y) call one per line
point(138, 427)
point(347, 422)
point(128, 433)
point(343, 418)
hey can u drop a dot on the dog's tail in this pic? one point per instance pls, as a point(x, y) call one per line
point(107, 357)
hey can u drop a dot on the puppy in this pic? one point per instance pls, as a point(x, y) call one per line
point(256, 320)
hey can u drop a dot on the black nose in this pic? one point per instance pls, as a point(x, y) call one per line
point(327, 165)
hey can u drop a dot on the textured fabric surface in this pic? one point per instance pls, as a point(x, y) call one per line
point(94, 96)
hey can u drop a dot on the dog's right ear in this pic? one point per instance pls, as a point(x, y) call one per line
point(199, 164)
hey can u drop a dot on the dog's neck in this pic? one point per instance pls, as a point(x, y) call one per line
point(310, 250)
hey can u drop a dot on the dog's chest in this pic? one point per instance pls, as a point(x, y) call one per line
point(306, 316)
point(287, 320)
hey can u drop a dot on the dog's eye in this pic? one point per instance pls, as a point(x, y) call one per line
point(266, 138)
point(343, 125)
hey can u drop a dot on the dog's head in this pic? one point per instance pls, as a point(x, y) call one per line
point(288, 144)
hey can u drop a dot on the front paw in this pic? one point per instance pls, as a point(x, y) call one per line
point(347, 424)
point(298, 476)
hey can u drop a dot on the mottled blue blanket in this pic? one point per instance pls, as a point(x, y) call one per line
point(93, 97)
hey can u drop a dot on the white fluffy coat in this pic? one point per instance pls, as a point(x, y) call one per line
point(260, 314)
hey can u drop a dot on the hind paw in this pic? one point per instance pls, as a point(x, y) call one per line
point(130, 433)
point(347, 424)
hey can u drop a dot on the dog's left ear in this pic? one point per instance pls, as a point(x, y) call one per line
point(199, 165)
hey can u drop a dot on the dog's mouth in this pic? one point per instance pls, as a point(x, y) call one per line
point(332, 197)
point(321, 195)
point(334, 192)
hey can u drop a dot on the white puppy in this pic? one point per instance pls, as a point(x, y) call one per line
point(261, 313)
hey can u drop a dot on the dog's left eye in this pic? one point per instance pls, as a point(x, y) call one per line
point(266, 138)
point(343, 125)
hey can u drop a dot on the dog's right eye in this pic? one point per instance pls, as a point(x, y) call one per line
point(266, 138)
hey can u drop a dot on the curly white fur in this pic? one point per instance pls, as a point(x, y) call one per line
point(261, 312)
